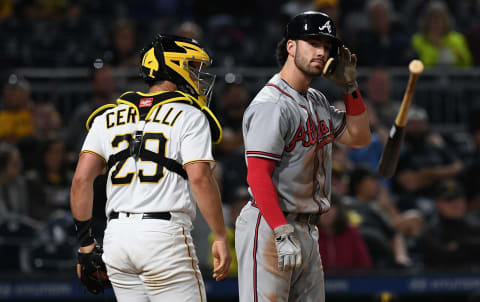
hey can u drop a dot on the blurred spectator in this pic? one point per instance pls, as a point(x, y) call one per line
point(189, 29)
point(460, 11)
point(422, 162)
point(473, 32)
point(6, 9)
point(341, 168)
point(16, 111)
point(124, 52)
point(103, 89)
point(371, 154)
point(385, 243)
point(469, 175)
point(331, 8)
point(233, 174)
point(230, 43)
point(47, 125)
point(294, 7)
point(57, 249)
point(80, 37)
point(233, 101)
point(55, 176)
point(341, 245)
point(410, 222)
point(18, 234)
point(436, 42)
point(17, 196)
point(450, 241)
point(339, 180)
point(378, 93)
point(13, 197)
point(384, 42)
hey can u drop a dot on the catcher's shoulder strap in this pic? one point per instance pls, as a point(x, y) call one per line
point(147, 155)
point(144, 105)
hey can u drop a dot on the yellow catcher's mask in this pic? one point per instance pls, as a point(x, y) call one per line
point(181, 61)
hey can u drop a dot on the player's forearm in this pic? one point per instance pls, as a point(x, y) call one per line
point(89, 166)
point(358, 128)
point(207, 196)
point(81, 198)
point(264, 192)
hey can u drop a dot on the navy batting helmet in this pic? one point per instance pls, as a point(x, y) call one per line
point(311, 24)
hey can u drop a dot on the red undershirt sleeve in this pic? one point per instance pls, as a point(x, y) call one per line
point(259, 178)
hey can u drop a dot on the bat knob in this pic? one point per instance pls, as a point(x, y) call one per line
point(415, 66)
point(329, 67)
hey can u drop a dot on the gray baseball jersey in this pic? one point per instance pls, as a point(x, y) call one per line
point(297, 131)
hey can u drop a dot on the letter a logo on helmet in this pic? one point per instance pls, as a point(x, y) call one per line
point(327, 26)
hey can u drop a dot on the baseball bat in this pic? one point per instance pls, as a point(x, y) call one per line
point(391, 151)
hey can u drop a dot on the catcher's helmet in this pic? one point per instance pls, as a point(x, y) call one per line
point(179, 60)
point(311, 24)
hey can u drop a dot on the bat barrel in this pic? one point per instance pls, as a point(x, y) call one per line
point(391, 153)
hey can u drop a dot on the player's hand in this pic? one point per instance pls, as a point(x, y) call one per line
point(345, 73)
point(221, 259)
point(85, 249)
point(288, 248)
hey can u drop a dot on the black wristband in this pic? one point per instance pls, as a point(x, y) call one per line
point(84, 232)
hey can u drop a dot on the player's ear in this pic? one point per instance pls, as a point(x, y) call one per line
point(291, 47)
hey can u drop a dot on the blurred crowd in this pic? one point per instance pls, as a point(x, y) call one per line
point(67, 33)
point(427, 216)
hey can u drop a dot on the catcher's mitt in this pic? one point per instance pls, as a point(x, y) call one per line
point(93, 271)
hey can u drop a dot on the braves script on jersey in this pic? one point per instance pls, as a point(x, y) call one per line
point(298, 132)
point(178, 131)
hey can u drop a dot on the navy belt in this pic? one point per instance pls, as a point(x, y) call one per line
point(152, 215)
point(308, 218)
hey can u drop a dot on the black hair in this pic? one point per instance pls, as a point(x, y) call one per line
point(358, 174)
point(281, 53)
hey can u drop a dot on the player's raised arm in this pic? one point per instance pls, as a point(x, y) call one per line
point(357, 134)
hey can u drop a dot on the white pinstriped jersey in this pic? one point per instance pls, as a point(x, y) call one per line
point(298, 132)
point(179, 131)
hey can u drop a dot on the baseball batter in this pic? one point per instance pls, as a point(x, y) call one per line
point(157, 150)
point(289, 130)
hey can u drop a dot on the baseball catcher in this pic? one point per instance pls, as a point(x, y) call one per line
point(155, 147)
